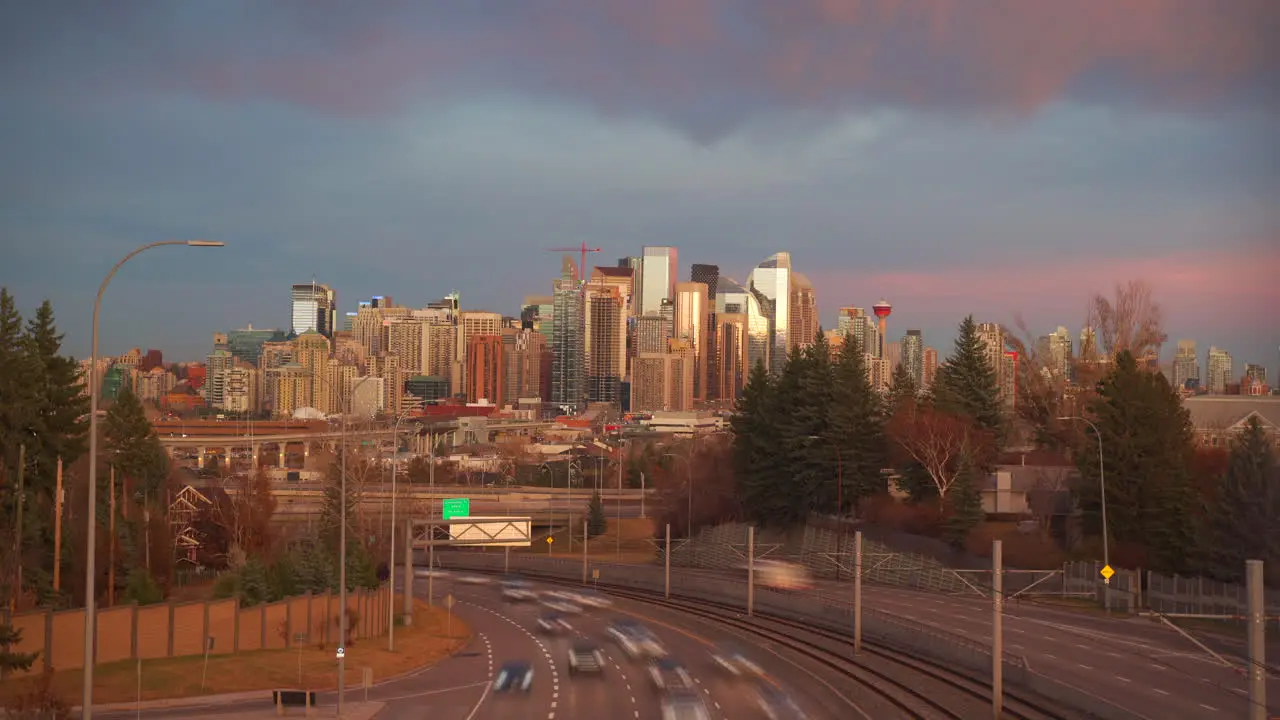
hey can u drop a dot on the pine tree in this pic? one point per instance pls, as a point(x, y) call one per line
point(254, 586)
point(361, 572)
point(755, 448)
point(135, 450)
point(11, 660)
point(597, 523)
point(19, 408)
point(63, 405)
point(964, 510)
point(1146, 445)
point(811, 459)
point(966, 385)
point(855, 426)
point(1245, 523)
point(142, 588)
point(902, 389)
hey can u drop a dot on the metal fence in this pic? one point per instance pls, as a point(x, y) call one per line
point(914, 639)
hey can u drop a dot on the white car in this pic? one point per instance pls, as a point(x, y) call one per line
point(428, 572)
point(563, 607)
point(734, 662)
point(593, 600)
point(519, 594)
point(553, 623)
point(684, 706)
point(635, 640)
point(474, 580)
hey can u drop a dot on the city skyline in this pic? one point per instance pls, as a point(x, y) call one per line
point(976, 178)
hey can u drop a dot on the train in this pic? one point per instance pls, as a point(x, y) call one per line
point(782, 575)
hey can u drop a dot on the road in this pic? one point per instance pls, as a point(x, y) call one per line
point(458, 688)
point(1144, 668)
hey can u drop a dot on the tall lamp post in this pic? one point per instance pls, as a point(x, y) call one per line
point(688, 467)
point(342, 550)
point(1102, 494)
point(90, 618)
point(391, 563)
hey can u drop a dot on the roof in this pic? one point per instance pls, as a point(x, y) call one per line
point(610, 271)
point(1221, 412)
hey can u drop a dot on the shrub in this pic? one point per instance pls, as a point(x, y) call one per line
point(40, 702)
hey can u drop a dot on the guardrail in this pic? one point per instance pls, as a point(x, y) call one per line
point(821, 609)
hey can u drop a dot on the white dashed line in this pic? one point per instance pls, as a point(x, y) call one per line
point(1122, 679)
point(1086, 667)
point(1162, 692)
point(1209, 707)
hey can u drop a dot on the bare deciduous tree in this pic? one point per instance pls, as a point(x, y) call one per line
point(939, 442)
point(1130, 320)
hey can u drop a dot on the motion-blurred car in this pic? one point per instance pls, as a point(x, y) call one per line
point(635, 639)
point(518, 590)
point(684, 705)
point(777, 705)
point(585, 658)
point(593, 600)
point(782, 575)
point(474, 580)
point(554, 624)
point(733, 661)
point(514, 677)
point(670, 676)
point(429, 572)
point(562, 606)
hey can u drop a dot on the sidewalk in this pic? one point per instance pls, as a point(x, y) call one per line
point(354, 711)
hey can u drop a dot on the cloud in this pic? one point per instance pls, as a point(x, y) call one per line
point(707, 67)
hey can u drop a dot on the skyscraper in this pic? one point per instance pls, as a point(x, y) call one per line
point(314, 307)
point(804, 312)
point(486, 369)
point(1218, 370)
point(709, 275)
point(1186, 364)
point(658, 275)
point(913, 356)
point(770, 282)
point(734, 299)
point(567, 347)
point(605, 342)
point(691, 329)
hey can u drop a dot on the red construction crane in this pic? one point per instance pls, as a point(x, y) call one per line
point(582, 268)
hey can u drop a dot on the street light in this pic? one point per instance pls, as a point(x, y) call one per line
point(1102, 483)
point(391, 564)
point(90, 619)
point(342, 540)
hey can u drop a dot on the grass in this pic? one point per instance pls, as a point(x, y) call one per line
point(421, 644)
point(636, 546)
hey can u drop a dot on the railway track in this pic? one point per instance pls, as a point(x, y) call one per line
point(894, 678)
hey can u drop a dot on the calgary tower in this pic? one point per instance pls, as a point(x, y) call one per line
point(882, 310)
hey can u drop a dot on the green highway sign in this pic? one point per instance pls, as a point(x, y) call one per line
point(456, 507)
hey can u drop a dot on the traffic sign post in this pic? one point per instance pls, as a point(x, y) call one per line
point(448, 606)
point(455, 507)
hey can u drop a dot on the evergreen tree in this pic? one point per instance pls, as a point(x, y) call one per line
point(142, 588)
point(1245, 523)
point(964, 510)
point(806, 387)
point(597, 523)
point(902, 389)
point(10, 660)
point(316, 567)
point(255, 587)
point(966, 385)
point(755, 447)
point(855, 426)
point(135, 450)
point(18, 384)
point(63, 406)
point(331, 510)
point(1146, 445)
point(361, 572)
point(283, 578)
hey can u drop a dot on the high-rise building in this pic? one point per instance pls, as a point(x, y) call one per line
point(314, 308)
point(913, 356)
point(653, 334)
point(486, 369)
point(1009, 379)
point(246, 343)
point(1060, 355)
point(992, 337)
point(525, 350)
point(605, 342)
point(732, 359)
point(658, 275)
point(241, 390)
point(218, 363)
point(290, 388)
point(1256, 372)
point(311, 351)
point(663, 381)
point(734, 299)
point(691, 309)
point(387, 367)
point(770, 282)
point(930, 368)
point(407, 339)
point(709, 275)
point(803, 312)
point(1186, 364)
point(893, 355)
point(1218, 369)
point(568, 390)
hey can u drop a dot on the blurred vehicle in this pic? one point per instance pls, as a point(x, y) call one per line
point(554, 623)
point(635, 639)
point(429, 572)
point(669, 675)
point(777, 704)
point(585, 658)
point(475, 580)
point(514, 677)
point(733, 661)
point(684, 705)
point(782, 575)
point(594, 600)
point(562, 606)
point(518, 591)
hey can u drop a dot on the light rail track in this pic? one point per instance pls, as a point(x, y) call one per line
point(893, 677)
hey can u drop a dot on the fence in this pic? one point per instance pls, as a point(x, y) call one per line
point(130, 632)
point(816, 609)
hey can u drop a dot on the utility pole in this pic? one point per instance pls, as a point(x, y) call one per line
point(111, 539)
point(1257, 641)
point(666, 551)
point(617, 505)
point(57, 531)
point(997, 629)
point(751, 570)
point(17, 534)
point(585, 524)
point(857, 592)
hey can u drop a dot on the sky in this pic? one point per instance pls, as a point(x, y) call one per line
point(1006, 158)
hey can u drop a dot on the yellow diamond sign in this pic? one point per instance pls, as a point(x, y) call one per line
point(1107, 572)
point(551, 540)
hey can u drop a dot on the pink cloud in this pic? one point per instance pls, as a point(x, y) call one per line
point(664, 58)
point(1232, 289)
